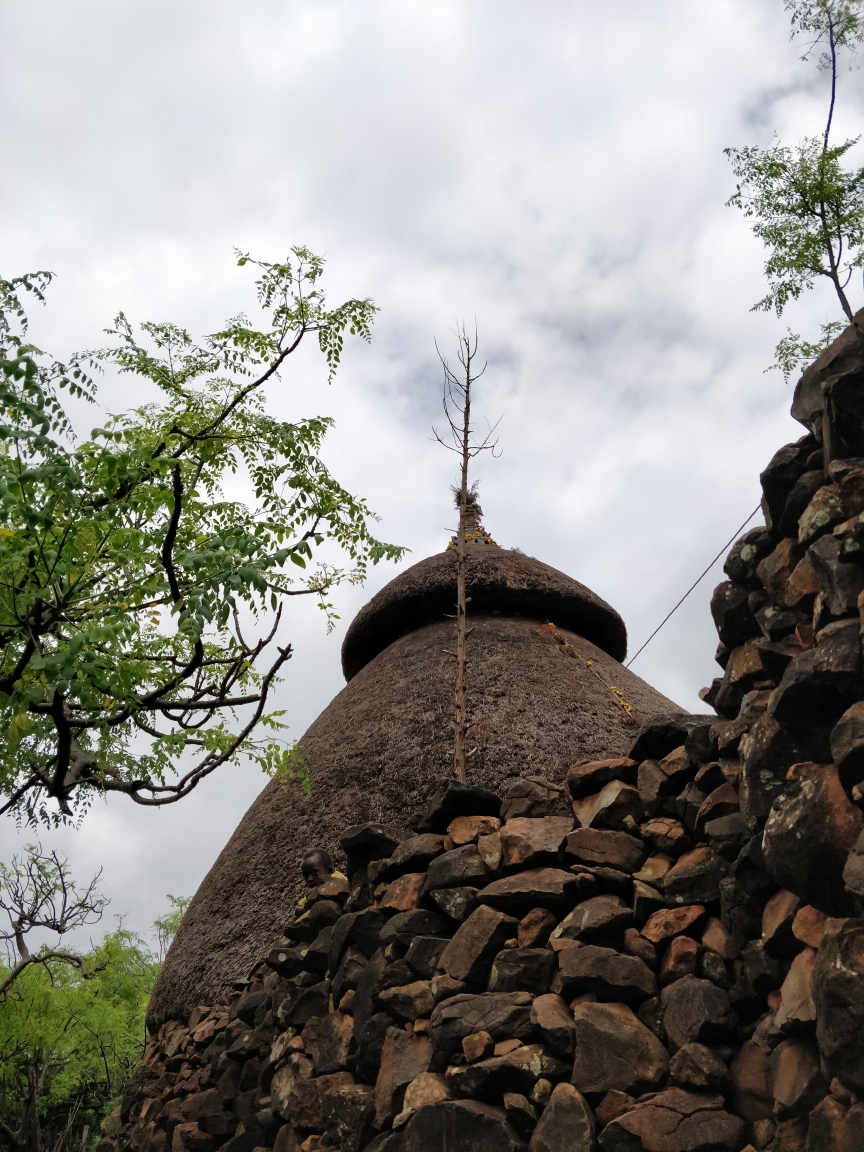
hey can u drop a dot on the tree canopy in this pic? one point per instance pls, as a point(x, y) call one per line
point(140, 599)
point(802, 201)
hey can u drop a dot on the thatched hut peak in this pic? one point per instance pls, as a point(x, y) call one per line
point(545, 689)
point(501, 582)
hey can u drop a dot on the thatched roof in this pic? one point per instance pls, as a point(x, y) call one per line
point(500, 581)
point(380, 747)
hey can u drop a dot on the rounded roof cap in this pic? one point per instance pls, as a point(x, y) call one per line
point(500, 581)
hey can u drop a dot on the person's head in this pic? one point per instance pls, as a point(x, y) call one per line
point(316, 866)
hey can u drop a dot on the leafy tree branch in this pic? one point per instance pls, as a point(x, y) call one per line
point(802, 201)
point(125, 565)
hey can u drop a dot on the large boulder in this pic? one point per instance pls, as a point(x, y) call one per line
point(838, 993)
point(460, 1126)
point(808, 836)
point(615, 1051)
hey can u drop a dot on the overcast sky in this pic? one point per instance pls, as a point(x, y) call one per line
point(553, 169)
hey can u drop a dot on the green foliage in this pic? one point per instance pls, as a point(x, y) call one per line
point(69, 1037)
point(802, 201)
point(168, 925)
point(125, 564)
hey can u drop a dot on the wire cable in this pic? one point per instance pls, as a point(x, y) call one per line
point(694, 584)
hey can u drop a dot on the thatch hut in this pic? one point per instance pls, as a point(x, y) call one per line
point(546, 688)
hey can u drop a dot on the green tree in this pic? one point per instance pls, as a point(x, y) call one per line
point(71, 1023)
point(803, 203)
point(125, 563)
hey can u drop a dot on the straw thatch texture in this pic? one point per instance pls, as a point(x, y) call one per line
point(500, 580)
point(376, 753)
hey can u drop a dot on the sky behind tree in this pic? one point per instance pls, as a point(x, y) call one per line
point(554, 170)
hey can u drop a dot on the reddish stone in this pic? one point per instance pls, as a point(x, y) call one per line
point(590, 776)
point(777, 918)
point(466, 829)
point(404, 894)
point(534, 928)
point(809, 925)
point(679, 960)
point(528, 842)
point(751, 1075)
point(669, 922)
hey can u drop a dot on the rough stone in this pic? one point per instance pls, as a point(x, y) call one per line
point(504, 1015)
point(534, 928)
point(566, 1125)
point(409, 1001)
point(695, 1066)
point(347, 1113)
point(427, 1088)
point(404, 926)
point(533, 843)
point(669, 922)
point(753, 1097)
point(516, 1071)
point(605, 973)
point(614, 806)
point(589, 776)
point(522, 970)
point(695, 877)
point(825, 1127)
point(838, 993)
point(796, 1078)
point(786, 465)
point(403, 1057)
point(328, 1042)
point(468, 956)
point(731, 613)
point(753, 546)
point(520, 1112)
point(661, 734)
point(597, 918)
point(459, 868)
point(808, 836)
point(698, 1011)
point(853, 869)
point(847, 745)
point(413, 855)
point(554, 1022)
point(363, 843)
point(824, 510)
point(544, 887)
point(306, 1098)
point(614, 1050)
point(719, 939)
point(809, 925)
point(453, 799)
point(457, 903)
point(839, 582)
point(424, 954)
point(797, 1013)
point(777, 919)
point(467, 829)
point(477, 1046)
point(817, 688)
point(403, 894)
point(460, 1126)
point(606, 848)
point(679, 960)
point(666, 835)
point(676, 1121)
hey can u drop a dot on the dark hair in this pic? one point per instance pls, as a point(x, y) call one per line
point(322, 854)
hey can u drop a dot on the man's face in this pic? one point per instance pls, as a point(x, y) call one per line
point(314, 871)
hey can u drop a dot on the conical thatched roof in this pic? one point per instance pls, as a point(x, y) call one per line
point(539, 699)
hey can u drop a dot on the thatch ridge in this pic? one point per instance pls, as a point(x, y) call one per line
point(500, 580)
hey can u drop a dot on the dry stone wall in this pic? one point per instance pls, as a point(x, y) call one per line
point(662, 952)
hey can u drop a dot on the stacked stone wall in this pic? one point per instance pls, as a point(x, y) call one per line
point(664, 951)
